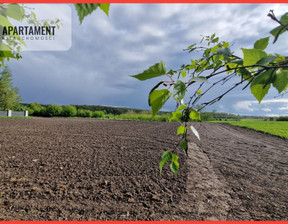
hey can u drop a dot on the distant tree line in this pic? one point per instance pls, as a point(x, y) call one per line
point(53, 110)
point(107, 109)
point(284, 118)
point(221, 116)
point(92, 111)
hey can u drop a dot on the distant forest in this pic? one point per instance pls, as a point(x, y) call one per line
point(214, 115)
point(36, 109)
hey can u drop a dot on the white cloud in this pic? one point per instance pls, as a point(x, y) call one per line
point(283, 108)
point(281, 100)
point(267, 109)
point(277, 106)
point(273, 115)
point(152, 30)
point(244, 106)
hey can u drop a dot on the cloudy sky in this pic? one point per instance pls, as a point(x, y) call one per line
point(106, 51)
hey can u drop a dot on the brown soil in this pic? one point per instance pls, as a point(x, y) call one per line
point(84, 169)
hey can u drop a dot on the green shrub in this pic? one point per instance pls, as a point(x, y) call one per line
point(207, 116)
point(88, 113)
point(30, 111)
point(35, 109)
point(98, 114)
point(84, 113)
point(80, 113)
point(53, 110)
point(42, 112)
point(69, 111)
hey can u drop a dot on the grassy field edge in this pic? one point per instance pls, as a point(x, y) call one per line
point(276, 128)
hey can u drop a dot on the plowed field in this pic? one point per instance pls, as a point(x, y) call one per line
point(85, 169)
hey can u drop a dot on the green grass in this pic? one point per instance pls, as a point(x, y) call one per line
point(278, 128)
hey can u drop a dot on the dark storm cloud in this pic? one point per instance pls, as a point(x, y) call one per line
point(107, 50)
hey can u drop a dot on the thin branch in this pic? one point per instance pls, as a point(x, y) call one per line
point(216, 99)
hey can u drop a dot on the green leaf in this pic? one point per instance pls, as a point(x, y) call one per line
point(284, 18)
point(280, 59)
point(199, 79)
point(266, 60)
point(261, 44)
point(226, 45)
point(15, 11)
point(5, 51)
point(191, 46)
point(156, 86)
point(237, 61)
point(215, 40)
point(176, 115)
point(201, 66)
point(157, 98)
point(166, 157)
point(182, 107)
point(172, 72)
point(259, 91)
point(34, 16)
point(174, 166)
point(278, 31)
point(184, 145)
point(174, 158)
point(194, 115)
point(207, 53)
point(154, 71)
point(199, 91)
point(84, 9)
point(195, 132)
point(244, 73)
point(31, 21)
point(251, 56)
point(281, 81)
point(179, 90)
point(105, 8)
point(183, 73)
point(264, 78)
point(181, 130)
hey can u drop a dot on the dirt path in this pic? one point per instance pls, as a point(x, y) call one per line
point(206, 192)
point(82, 169)
point(254, 168)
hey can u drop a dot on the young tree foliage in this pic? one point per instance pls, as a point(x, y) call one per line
point(84, 9)
point(9, 95)
point(257, 69)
